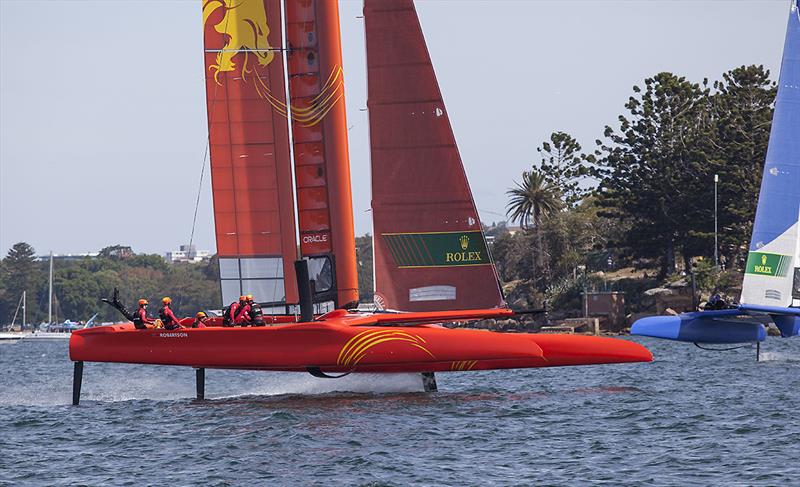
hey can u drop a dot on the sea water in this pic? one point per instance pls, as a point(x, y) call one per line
point(691, 417)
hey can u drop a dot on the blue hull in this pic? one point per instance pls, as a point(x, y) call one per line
point(701, 327)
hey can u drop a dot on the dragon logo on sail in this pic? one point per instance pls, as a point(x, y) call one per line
point(245, 30)
point(244, 26)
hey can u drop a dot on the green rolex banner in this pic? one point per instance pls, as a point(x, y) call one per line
point(437, 249)
point(765, 264)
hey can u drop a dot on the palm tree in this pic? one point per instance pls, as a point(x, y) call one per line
point(532, 201)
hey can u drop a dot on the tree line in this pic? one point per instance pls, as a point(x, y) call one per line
point(79, 284)
point(643, 195)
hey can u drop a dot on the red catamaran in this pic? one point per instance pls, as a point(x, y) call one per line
point(278, 142)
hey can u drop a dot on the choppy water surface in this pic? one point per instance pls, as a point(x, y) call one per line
point(691, 417)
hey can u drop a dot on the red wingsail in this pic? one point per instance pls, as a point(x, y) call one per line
point(430, 251)
point(322, 166)
point(249, 145)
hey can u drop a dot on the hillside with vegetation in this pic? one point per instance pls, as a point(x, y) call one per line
point(79, 284)
point(637, 210)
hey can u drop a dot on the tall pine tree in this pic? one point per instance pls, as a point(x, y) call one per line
point(742, 107)
point(656, 170)
point(564, 166)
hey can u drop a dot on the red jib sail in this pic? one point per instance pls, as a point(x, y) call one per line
point(430, 251)
point(322, 167)
point(249, 146)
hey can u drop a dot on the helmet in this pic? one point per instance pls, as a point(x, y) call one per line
point(200, 314)
point(166, 300)
point(242, 298)
point(249, 297)
point(142, 302)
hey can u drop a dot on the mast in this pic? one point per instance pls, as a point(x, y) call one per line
point(319, 130)
point(50, 293)
point(24, 308)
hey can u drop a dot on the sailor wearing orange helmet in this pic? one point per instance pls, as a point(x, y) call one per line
point(230, 313)
point(140, 319)
point(166, 315)
point(243, 315)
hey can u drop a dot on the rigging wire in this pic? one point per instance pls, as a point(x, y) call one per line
point(206, 152)
point(199, 191)
point(208, 146)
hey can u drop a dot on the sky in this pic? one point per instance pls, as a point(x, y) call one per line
point(103, 119)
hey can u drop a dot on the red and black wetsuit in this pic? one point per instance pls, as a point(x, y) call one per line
point(230, 315)
point(243, 315)
point(141, 319)
point(168, 318)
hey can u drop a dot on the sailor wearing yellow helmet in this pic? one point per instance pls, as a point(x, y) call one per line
point(200, 320)
point(166, 315)
point(256, 313)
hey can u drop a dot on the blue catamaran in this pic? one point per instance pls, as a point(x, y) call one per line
point(771, 288)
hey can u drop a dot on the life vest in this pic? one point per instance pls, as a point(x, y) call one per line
point(242, 309)
point(138, 322)
point(257, 315)
point(229, 314)
point(137, 319)
point(165, 318)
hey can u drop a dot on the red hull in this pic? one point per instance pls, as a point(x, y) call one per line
point(342, 343)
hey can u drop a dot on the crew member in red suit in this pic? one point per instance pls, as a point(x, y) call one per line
point(168, 318)
point(200, 320)
point(141, 320)
point(243, 317)
point(230, 313)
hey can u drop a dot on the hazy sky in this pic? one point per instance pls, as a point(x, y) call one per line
point(102, 107)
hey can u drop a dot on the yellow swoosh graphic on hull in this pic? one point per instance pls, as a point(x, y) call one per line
point(357, 347)
point(463, 365)
point(364, 345)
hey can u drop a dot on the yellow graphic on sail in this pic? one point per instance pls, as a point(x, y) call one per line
point(245, 29)
point(356, 349)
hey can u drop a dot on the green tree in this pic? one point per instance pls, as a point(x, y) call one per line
point(20, 272)
point(564, 166)
point(656, 170)
point(20, 261)
point(533, 200)
point(116, 252)
point(742, 106)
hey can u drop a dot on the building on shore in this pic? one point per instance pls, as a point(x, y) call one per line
point(188, 253)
